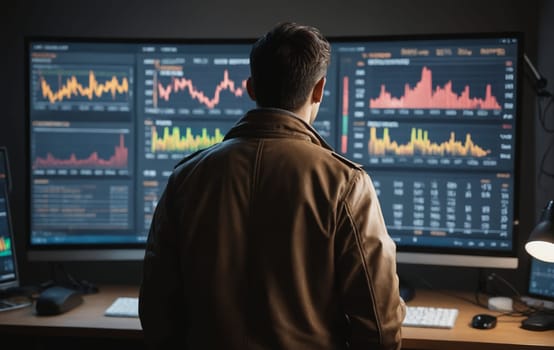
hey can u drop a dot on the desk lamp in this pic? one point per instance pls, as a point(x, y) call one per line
point(540, 245)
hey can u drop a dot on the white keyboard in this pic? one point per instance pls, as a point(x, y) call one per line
point(123, 307)
point(430, 317)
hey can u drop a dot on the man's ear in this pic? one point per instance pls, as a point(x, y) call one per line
point(250, 88)
point(317, 93)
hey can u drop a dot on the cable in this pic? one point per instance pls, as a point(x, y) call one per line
point(542, 111)
point(69, 281)
point(542, 166)
point(493, 275)
point(524, 310)
point(527, 309)
point(542, 93)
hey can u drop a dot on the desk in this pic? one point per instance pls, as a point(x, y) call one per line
point(88, 322)
point(507, 335)
point(84, 327)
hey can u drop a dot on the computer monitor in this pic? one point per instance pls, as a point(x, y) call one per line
point(433, 119)
point(541, 281)
point(108, 120)
point(9, 277)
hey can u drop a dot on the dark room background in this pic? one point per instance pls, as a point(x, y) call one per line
point(174, 19)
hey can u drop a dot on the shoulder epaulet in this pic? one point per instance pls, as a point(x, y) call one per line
point(347, 161)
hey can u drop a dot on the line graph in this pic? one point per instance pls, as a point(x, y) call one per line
point(72, 87)
point(205, 88)
point(96, 88)
point(184, 84)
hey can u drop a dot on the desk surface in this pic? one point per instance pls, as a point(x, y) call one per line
point(507, 335)
point(88, 320)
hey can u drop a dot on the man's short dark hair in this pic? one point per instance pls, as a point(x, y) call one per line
point(286, 63)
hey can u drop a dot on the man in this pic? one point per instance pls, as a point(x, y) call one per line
point(269, 239)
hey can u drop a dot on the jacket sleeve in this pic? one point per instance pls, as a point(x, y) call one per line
point(161, 309)
point(366, 268)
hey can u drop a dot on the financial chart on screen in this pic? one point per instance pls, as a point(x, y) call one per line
point(109, 120)
point(434, 122)
point(432, 119)
point(8, 270)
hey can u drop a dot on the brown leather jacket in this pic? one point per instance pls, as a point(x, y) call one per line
point(270, 240)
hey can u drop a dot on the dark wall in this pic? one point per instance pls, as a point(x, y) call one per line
point(545, 140)
point(251, 18)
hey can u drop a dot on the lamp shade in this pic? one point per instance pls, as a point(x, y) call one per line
point(540, 244)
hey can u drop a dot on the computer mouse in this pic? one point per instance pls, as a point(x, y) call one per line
point(483, 321)
point(57, 300)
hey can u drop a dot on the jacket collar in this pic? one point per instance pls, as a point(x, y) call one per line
point(275, 122)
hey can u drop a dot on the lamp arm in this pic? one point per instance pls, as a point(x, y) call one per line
point(540, 81)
